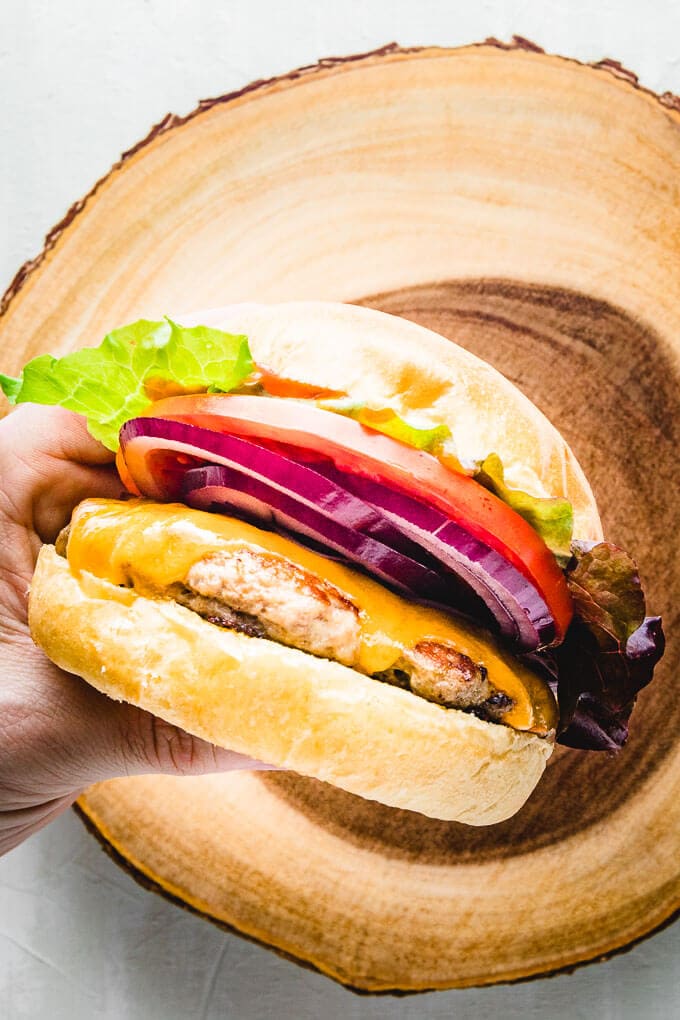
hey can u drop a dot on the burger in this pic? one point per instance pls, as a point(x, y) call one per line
point(346, 547)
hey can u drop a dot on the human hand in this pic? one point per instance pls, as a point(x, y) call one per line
point(57, 734)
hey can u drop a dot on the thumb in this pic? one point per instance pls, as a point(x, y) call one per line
point(48, 463)
point(147, 744)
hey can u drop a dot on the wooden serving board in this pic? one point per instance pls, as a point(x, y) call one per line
point(528, 207)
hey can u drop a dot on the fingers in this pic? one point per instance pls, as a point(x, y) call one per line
point(18, 825)
point(55, 500)
point(55, 432)
point(149, 744)
point(49, 463)
point(119, 739)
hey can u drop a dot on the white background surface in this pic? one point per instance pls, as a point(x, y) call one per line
point(80, 81)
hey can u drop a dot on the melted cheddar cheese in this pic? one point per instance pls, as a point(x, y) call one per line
point(159, 543)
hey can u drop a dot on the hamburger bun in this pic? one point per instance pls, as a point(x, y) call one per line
point(282, 705)
point(285, 706)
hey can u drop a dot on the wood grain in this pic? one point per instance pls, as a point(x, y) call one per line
point(528, 207)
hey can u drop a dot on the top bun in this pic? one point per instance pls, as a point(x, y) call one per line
point(382, 358)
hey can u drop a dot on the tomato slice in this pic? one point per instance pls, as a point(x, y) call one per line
point(124, 474)
point(358, 450)
point(281, 386)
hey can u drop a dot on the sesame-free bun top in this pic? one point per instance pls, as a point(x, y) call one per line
point(387, 360)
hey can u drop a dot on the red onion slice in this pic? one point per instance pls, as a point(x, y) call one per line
point(452, 546)
point(221, 488)
point(254, 497)
point(439, 560)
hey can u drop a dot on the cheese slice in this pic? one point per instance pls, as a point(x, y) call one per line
point(158, 543)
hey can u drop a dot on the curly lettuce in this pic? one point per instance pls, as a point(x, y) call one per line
point(610, 650)
point(133, 365)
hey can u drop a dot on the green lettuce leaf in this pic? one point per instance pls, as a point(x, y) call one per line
point(117, 380)
point(552, 517)
point(10, 387)
point(386, 420)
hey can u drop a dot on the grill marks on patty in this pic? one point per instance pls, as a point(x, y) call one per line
point(442, 674)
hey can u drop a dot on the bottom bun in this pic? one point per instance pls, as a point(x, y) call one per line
point(281, 705)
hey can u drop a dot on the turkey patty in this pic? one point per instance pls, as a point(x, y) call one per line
point(265, 595)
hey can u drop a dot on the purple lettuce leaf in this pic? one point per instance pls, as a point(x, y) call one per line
point(610, 650)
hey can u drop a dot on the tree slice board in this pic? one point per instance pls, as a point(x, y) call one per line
point(529, 207)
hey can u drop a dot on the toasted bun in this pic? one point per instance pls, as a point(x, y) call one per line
point(284, 706)
point(287, 707)
point(383, 358)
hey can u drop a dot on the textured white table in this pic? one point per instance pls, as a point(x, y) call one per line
point(80, 82)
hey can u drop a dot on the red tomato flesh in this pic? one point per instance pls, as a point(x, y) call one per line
point(280, 386)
